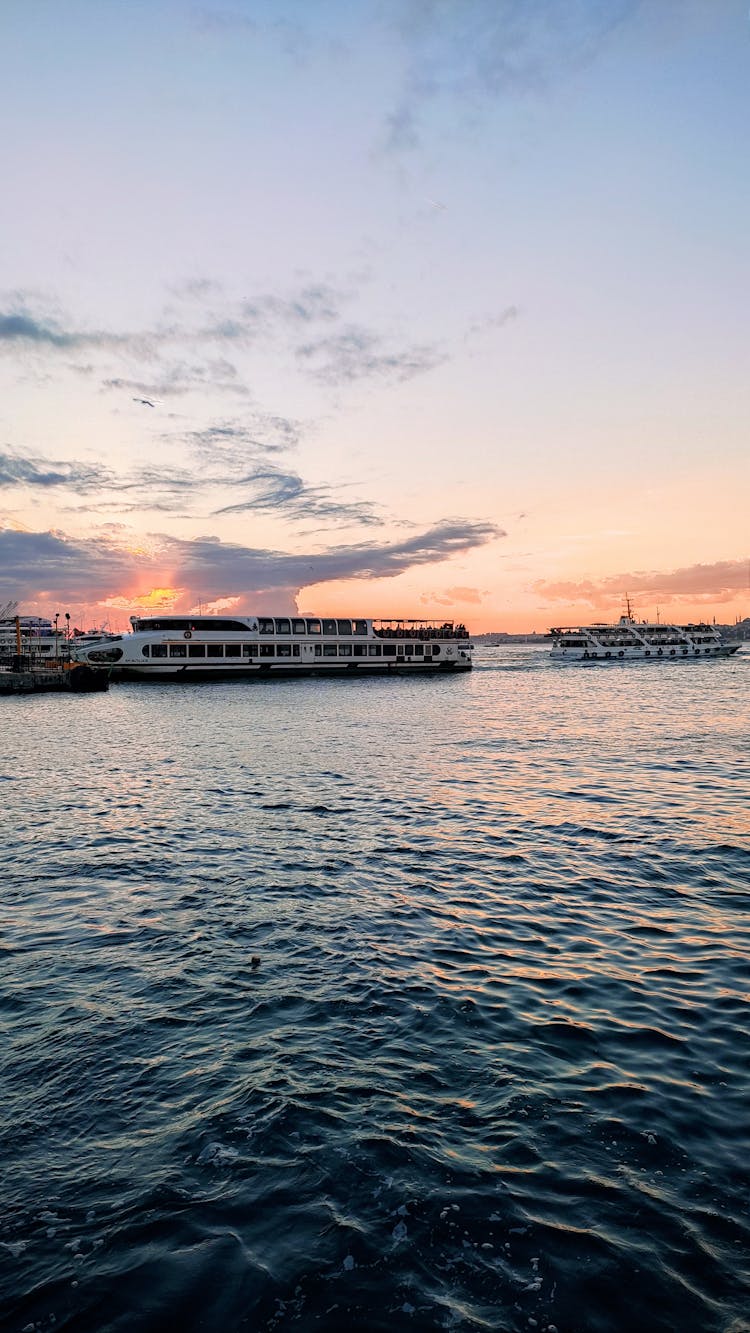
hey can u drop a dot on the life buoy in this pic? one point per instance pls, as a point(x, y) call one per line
point(188, 634)
point(660, 652)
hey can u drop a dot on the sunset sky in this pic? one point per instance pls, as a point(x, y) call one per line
point(415, 307)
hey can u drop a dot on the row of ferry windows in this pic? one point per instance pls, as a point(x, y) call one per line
point(252, 650)
point(295, 626)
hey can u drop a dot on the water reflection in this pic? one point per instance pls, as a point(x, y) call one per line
point(494, 1052)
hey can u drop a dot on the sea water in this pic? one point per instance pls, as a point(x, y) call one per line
point(380, 1004)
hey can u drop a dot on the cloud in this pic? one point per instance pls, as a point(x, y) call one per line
point(718, 582)
point(357, 353)
point(313, 302)
point(20, 470)
point(263, 489)
point(506, 316)
point(185, 350)
point(274, 491)
point(18, 329)
point(470, 596)
point(183, 377)
point(152, 485)
point(233, 442)
point(265, 316)
point(480, 50)
point(50, 565)
point(47, 564)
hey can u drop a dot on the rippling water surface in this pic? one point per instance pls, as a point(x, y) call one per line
point(492, 1069)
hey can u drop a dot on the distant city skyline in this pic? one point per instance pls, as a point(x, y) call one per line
point(386, 307)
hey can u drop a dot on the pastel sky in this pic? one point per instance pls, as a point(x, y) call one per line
point(384, 307)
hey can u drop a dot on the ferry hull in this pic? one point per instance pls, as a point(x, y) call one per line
point(348, 671)
point(614, 657)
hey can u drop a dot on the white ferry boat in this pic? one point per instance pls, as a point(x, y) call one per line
point(213, 647)
point(39, 639)
point(636, 641)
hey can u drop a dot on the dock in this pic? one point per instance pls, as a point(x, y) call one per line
point(19, 679)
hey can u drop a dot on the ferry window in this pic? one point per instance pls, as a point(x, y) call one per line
point(329, 650)
point(214, 650)
point(106, 655)
point(345, 650)
point(144, 650)
point(409, 649)
point(283, 627)
point(329, 626)
point(344, 626)
point(267, 650)
point(298, 627)
point(233, 650)
point(283, 650)
point(196, 650)
point(360, 650)
point(374, 650)
point(295, 650)
point(158, 649)
point(265, 626)
point(360, 626)
point(313, 627)
point(435, 649)
point(317, 650)
point(419, 649)
point(389, 650)
point(249, 650)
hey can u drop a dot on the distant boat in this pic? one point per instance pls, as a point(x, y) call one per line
point(83, 638)
point(222, 648)
point(631, 640)
point(37, 634)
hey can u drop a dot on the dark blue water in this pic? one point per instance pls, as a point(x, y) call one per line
point(492, 1070)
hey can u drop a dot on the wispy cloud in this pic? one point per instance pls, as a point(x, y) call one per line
point(182, 377)
point(189, 347)
point(357, 353)
point(234, 442)
point(717, 582)
point(454, 597)
point(273, 491)
point(19, 329)
point(489, 322)
point(152, 485)
point(20, 470)
point(262, 489)
point(480, 50)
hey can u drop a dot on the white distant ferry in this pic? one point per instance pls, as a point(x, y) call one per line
point(214, 647)
point(39, 638)
point(636, 641)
